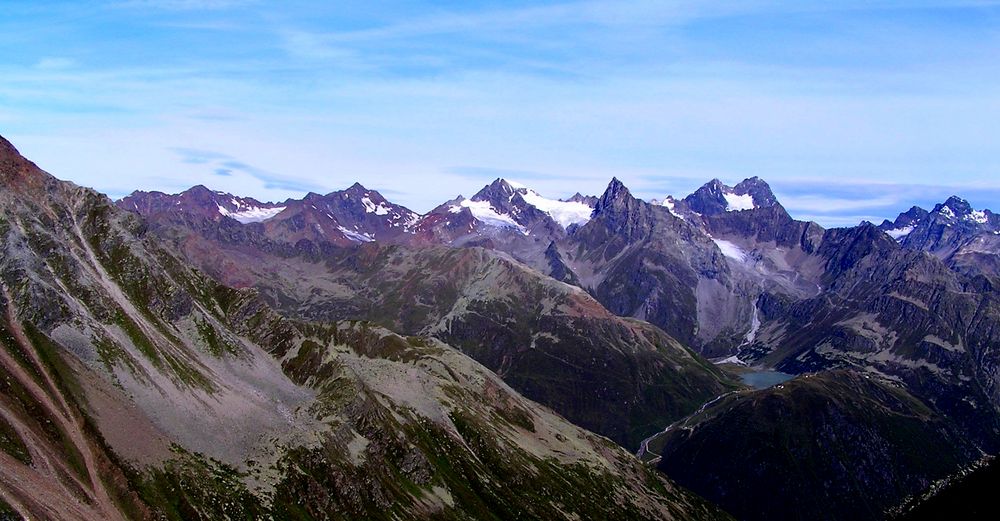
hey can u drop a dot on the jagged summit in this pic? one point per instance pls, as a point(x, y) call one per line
point(715, 197)
point(615, 194)
point(957, 208)
point(510, 205)
point(588, 200)
point(499, 188)
point(953, 212)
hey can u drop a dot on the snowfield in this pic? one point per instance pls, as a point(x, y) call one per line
point(730, 250)
point(562, 212)
point(251, 214)
point(736, 203)
point(899, 233)
point(483, 211)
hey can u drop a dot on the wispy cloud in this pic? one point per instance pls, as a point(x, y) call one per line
point(225, 165)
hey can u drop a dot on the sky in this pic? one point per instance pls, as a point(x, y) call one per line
point(851, 110)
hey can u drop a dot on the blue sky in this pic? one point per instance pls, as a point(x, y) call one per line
point(851, 109)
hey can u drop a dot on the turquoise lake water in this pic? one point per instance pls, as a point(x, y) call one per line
point(765, 379)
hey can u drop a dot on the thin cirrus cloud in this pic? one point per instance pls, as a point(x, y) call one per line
point(818, 98)
point(224, 165)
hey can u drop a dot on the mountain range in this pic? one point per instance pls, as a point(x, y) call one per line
point(204, 354)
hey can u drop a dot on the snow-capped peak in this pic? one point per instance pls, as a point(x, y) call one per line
point(515, 185)
point(715, 197)
point(501, 193)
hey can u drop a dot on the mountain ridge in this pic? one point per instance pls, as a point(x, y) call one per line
point(728, 272)
point(116, 349)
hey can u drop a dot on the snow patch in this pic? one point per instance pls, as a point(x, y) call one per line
point(355, 236)
point(947, 212)
point(668, 203)
point(730, 250)
point(563, 212)
point(899, 233)
point(250, 214)
point(735, 203)
point(483, 212)
point(977, 216)
point(377, 209)
point(731, 360)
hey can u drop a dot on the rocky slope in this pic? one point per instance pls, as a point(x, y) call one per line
point(551, 341)
point(139, 388)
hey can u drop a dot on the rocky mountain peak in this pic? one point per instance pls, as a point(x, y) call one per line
point(958, 210)
point(616, 195)
point(18, 173)
point(202, 194)
point(905, 223)
point(715, 197)
point(500, 190)
point(954, 206)
point(915, 213)
point(588, 200)
point(757, 188)
point(199, 189)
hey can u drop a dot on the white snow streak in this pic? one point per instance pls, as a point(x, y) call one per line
point(355, 236)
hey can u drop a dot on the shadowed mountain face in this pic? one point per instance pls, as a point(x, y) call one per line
point(139, 388)
point(831, 446)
